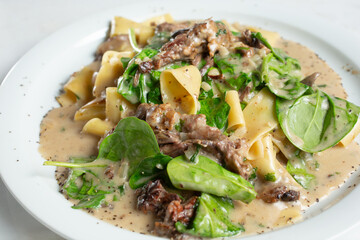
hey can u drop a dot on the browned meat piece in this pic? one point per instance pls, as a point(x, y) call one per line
point(167, 137)
point(174, 149)
point(154, 198)
point(309, 80)
point(167, 207)
point(247, 52)
point(194, 131)
point(117, 43)
point(280, 193)
point(249, 40)
point(159, 117)
point(209, 63)
point(146, 66)
point(206, 37)
point(176, 212)
point(246, 91)
point(172, 27)
point(197, 60)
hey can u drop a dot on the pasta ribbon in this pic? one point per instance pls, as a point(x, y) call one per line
point(117, 107)
point(121, 25)
point(80, 83)
point(236, 117)
point(284, 145)
point(180, 88)
point(97, 127)
point(259, 117)
point(264, 157)
point(93, 109)
point(66, 99)
point(111, 69)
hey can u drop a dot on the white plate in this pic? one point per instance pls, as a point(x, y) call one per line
point(29, 91)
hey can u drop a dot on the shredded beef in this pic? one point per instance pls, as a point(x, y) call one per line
point(168, 207)
point(194, 131)
point(159, 117)
point(117, 43)
point(249, 40)
point(280, 193)
point(206, 37)
point(154, 198)
point(172, 27)
point(209, 62)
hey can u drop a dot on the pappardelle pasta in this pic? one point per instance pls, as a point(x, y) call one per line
point(200, 128)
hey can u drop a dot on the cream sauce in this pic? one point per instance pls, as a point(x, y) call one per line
point(61, 138)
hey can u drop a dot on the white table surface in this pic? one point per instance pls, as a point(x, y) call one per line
point(25, 23)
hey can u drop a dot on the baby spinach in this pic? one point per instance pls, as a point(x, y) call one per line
point(135, 93)
point(207, 176)
point(83, 184)
point(230, 67)
point(149, 169)
point(216, 111)
point(159, 39)
point(283, 78)
point(276, 52)
point(298, 171)
point(132, 139)
point(211, 218)
point(316, 121)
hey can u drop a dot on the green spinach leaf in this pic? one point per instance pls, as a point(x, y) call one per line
point(283, 78)
point(149, 169)
point(126, 87)
point(297, 169)
point(317, 121)
point(277, 52)
point(207, 176)
point(80, 183)
point(216, 111)
point(159, 39)
point(231, 68)
point(211, 218)
point(133, 139)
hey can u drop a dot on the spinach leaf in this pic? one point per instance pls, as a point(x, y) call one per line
point(80, 183)
point(211, 219)
point(207, 176)
point(216, 111)
point(239, 82)
point(90, 201)
point(297, 169)
point(125, 61)
point(317, 121)
point(126, 87)
point(133, 139)
point(159, 39)
point(230, 67)
point(277, 52)
point(149, 169)
point(283, 78)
